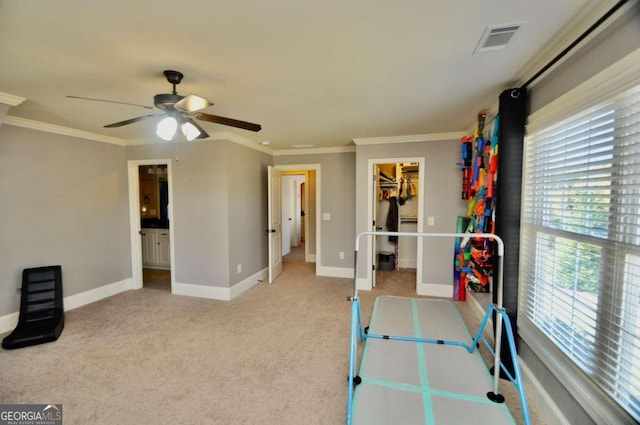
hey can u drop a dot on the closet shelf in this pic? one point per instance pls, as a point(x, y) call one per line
point(408, 219)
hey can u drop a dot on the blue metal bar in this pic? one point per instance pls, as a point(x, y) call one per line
point(419, 340)
point(352, 357)
point(356, 323)
point(517, 379)
point(361, 333)
point(483, 325)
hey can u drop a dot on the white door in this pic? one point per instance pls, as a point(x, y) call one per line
point(274, 180)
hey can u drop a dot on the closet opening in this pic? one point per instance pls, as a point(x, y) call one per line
point(397, 205)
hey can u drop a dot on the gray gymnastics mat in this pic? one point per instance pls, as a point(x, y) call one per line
point(416, 383)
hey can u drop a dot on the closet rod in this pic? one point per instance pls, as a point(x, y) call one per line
point(584, 35)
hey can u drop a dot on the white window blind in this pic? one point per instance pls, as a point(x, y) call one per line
point(580, 242)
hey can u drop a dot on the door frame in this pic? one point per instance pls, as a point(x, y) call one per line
point(134, 219)
point(291, 198)
point(304, 169)
point(370, 197)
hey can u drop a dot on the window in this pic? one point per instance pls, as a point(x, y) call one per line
point(580, 242)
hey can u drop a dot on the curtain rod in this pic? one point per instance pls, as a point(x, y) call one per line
point(584, 35)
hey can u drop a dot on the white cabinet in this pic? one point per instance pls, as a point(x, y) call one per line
point(149, 247)
point(164, 256)
point(156, 248)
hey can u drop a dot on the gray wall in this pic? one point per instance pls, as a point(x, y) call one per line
point(64, 201)
point(337, 197)
point(611, 45)
point(443, 185)
point(247, 211)
point(219, 209)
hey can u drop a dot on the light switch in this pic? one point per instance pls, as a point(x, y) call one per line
point(326, 216)
point(430, 221)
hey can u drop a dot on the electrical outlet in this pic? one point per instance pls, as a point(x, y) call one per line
point(341, 255)
point(239, 268)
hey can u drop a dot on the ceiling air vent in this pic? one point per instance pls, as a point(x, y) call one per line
point(496, 37)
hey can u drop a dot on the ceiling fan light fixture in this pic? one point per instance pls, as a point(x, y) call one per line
point(190, 131)
point(166, 128)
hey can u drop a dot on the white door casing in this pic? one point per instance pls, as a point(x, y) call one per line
point(317, 200)
point(274, 182)
point(374, 223)
point(134, 219)
point(372, 193)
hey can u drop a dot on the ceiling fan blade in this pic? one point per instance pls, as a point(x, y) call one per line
point(111, 101)
point(227, 121)
point(131, 121)
point(192, 103)
point(203, 134)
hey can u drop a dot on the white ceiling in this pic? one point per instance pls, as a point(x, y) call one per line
point(318, 73)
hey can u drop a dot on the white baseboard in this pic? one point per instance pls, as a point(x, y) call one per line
point(93, 295)
point(248, 283)
point(201, 291)
point(407, 263)
point(435, 290)
point(537, 395)
point(9, 321)
point(363, 284)
point(344, 272)
point(220, 293)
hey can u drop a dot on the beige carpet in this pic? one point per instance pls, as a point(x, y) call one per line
point(277, 354)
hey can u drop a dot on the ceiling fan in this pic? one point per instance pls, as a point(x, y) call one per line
point(177, 111)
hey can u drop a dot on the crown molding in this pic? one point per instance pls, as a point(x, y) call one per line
point(582, 22)
point(314, 151)
point(617, 78)
point(57, 129)
point(433, 137)
point(11, 100)
point(217, 136)
point(232, 137)
point(235, 138)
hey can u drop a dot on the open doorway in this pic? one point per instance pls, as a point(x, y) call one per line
point(293, 215)
point(155, 226)
point(150, 211)
point(301, 206)
point(396, 204)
